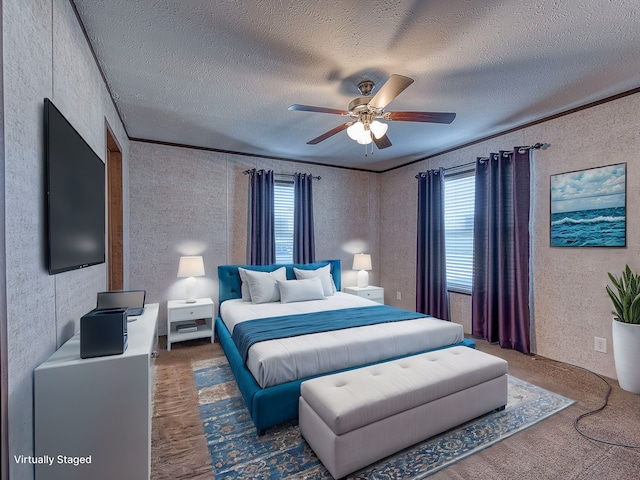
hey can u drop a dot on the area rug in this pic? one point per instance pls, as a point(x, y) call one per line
point(281, 453)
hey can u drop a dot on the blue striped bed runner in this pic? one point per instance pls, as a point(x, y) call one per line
point(245, 334)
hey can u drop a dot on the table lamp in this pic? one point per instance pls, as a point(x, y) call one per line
point(362, 263)
point(189, 267)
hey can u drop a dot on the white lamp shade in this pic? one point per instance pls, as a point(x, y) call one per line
point(365, 139)
point(191, 266)
point(378, 128)
point(362, 261)
point(355, 131)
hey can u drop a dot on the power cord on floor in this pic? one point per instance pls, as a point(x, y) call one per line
point(576, 422)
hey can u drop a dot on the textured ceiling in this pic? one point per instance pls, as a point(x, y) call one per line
point(221, 74)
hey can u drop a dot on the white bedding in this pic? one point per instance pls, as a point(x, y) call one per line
point(283, 360)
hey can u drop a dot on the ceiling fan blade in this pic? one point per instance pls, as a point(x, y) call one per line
point(429, 117)
point(390, 90)
point(382, 142)
point(309, 108)
point(328, 134)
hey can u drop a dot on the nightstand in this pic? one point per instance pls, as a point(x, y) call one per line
point(180, 313)
point(372, 293)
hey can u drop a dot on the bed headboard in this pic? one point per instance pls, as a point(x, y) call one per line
point(229, 283)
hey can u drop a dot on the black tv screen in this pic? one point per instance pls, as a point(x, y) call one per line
point(75, 196)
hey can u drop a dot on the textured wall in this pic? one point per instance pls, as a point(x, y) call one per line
point(178, 207)
point(570, 303)
point(45, 55)
point(31, 327)
point(187, 201)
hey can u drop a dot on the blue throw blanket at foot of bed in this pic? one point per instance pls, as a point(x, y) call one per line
point(247, 333)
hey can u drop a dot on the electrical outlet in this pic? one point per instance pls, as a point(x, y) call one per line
point(600, 344)
point(398, 296)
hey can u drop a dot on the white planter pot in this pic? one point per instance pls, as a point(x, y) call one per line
point(626, 353)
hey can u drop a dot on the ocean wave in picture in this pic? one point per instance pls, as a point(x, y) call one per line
point(587, 220)
point(604, 227)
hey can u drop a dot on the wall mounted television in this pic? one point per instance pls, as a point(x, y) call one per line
point(75, 196)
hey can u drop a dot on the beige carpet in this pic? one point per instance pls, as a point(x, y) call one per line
point(551, 449)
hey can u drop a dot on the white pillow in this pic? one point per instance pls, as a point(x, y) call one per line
point(246, 295)
point(324, 273)
point(263, 286)
point(300, 290)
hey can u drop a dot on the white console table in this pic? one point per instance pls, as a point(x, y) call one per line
point(97, 409)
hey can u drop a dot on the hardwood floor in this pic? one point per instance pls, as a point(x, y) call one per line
point(551, 449)
point(178, 446)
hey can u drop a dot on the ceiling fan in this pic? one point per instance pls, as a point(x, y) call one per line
point(366, 111)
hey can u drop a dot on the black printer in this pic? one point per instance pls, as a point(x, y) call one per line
point(103, 331)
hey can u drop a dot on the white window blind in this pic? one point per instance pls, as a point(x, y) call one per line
point(283, 211)
point(459, 199)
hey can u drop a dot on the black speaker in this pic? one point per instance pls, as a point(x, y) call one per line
point(103, 332)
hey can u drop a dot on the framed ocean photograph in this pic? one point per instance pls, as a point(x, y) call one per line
point(588, 207)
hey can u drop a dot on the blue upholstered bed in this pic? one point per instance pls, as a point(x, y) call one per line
point(275, 404)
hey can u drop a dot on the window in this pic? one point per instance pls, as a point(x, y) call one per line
point(459, 199)
point(283, 210)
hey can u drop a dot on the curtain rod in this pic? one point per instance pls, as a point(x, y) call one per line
point(318, 177)
point(535, 146)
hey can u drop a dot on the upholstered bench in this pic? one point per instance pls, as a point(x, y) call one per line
point(354, 418)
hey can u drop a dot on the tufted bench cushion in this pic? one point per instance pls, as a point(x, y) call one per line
point(354, 418)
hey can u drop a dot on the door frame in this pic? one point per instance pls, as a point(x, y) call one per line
point(115, 220)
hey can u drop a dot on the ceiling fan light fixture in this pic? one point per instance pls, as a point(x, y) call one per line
point(363, 126)
point(378, 128)
point(355, 131)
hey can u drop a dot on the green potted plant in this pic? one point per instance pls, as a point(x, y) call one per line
point(625, 296)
